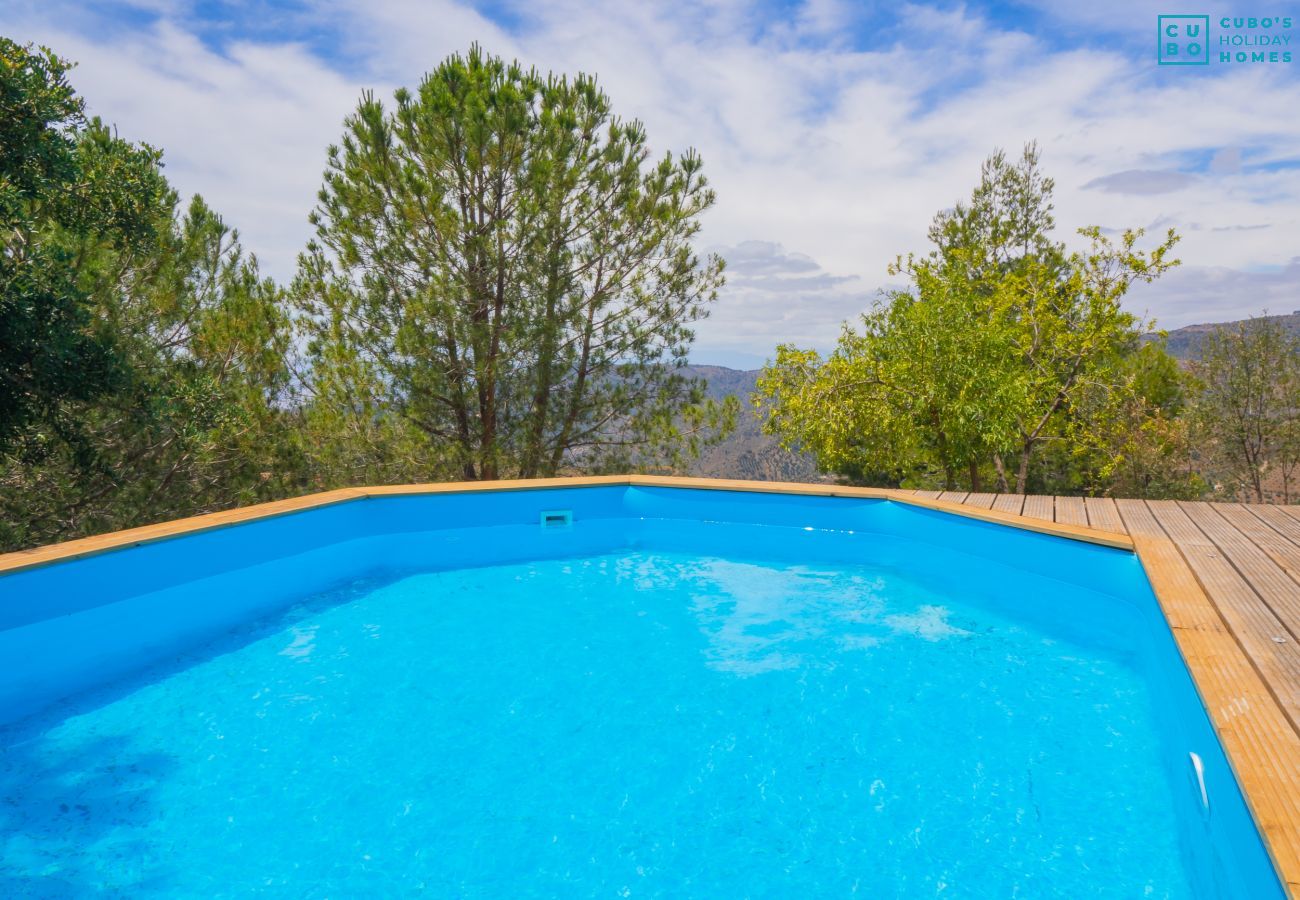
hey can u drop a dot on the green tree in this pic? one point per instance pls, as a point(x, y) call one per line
point(988, 358)
point(1249, 406)
point(199, 418)
point(350, 434)
point(52, 350)
point(922, 388)
point(142, 371)
point(1069, 330)
point(501, 268)
point(1061, 311)
point(1129, 435)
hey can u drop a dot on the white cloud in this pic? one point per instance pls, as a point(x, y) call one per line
point(813, 143)
point(776, 296)
point(1197, 294)
point(1124, 17)
point(1141, 181)
point(1226, 161)
point(247, 129)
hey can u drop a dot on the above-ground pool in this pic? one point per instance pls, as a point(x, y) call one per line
point(611, 691)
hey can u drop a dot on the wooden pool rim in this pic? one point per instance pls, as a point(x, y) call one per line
point(1262, 747)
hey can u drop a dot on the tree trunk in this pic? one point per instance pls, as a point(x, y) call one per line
point(545, 364)
point(487, 466)
point(578, 392)
point(456, 375)
point(1001, 469)
point(949, 471)
point(1022, 474)
point(975, 476)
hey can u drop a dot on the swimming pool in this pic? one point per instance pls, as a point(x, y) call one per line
point(609, 690)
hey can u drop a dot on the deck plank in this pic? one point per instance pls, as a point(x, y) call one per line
point(1269, 580)
point(1138, 519)
point(1103, 514)
point(1071, 511)
point(1277, 518)
point(931, 495)
point(980, 501)
point(1283, 551)
point(1038, 506)
point(1266, 640)
point(953, 496)
point(1011, 503)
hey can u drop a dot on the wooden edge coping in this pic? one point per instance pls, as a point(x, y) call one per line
point(131, 537)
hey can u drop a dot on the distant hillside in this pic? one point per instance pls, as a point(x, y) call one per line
point(747, 452)
point(1185, 343)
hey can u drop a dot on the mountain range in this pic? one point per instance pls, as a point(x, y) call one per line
point(1185, 343)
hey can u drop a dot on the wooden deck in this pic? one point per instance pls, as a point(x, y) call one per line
point(1228, 578)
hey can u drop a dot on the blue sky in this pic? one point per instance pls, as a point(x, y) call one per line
point(833, 131)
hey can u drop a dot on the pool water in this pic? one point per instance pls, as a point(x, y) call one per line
point(706, 711)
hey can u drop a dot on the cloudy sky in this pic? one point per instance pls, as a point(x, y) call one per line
point(831, 130)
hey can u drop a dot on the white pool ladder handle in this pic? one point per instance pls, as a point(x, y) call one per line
point(1198, 768)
